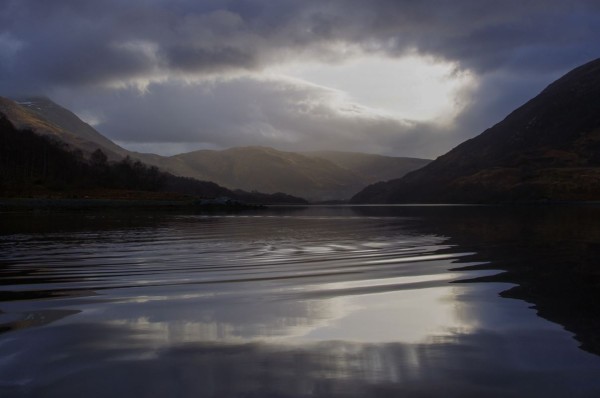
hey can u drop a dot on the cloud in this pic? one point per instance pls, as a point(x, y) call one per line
point(80, 50)
point(284, 113)
point(87, 42)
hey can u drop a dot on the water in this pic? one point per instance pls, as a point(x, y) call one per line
point(301, 302)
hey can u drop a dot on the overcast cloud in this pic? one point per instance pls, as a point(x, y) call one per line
point(177, 75)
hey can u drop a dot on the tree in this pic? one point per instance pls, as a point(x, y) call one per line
point(98, 158)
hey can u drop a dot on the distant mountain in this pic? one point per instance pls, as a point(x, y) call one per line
point(316, 175)
point(44, 165)
point(548, 149)
point(372, 167)
point(267, 170)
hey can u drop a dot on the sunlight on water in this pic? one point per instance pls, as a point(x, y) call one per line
point(306, 287)
point(299, 296)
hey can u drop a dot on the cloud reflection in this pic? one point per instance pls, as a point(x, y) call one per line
point(298, 303)
point(472, 365)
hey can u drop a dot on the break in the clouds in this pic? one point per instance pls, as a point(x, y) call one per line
point(397, 77)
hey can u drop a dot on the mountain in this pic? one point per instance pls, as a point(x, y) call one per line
point(45, 117)
point(315, 175)
point(267, 170)
point(372, 167)
point(548, 149)
point(45, 165)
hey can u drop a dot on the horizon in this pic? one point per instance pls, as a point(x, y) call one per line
point(391, 79)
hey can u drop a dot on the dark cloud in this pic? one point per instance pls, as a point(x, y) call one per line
point(70, 46)
point(92, 41)
point(189, 59)
point(245, 111)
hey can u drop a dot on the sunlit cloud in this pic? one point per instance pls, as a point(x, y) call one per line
point(403, 78)
point(412, 88)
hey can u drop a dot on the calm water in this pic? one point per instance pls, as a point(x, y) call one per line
point(301, 302)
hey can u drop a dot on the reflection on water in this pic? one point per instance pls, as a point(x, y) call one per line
point(293, 302)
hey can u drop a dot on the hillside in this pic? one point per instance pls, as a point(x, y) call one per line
point(267, 170)
point(34, 165)
point(315, 175)
point(548, 149)
point(45, 117)
point(371, 167)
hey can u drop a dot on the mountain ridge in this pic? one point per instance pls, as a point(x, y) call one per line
point(369, 164)
point(45, 117)
point(317, 176)
point(313, 174)
point(33, 165)
point(546, 149)
point(268, 170)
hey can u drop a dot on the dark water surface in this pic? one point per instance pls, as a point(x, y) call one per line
point(302, 302)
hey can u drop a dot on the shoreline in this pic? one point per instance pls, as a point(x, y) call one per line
point(93, 203)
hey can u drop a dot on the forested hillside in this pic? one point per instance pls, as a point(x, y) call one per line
point(34, 165)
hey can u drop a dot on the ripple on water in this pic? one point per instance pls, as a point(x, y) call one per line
point(222, 250)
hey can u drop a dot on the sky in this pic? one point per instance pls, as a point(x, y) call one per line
point(394, 77)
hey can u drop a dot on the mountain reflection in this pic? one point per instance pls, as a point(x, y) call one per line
point(549, 252)
point(343, 301)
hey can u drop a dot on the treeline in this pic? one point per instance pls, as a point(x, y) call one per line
point(28, 159)
point(30, 162)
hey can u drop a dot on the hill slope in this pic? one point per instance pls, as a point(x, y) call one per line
point(372, 167)
point(35, 165)
point(45, 117)
point(316, 175)
point(268, 170)
point(548, 148)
